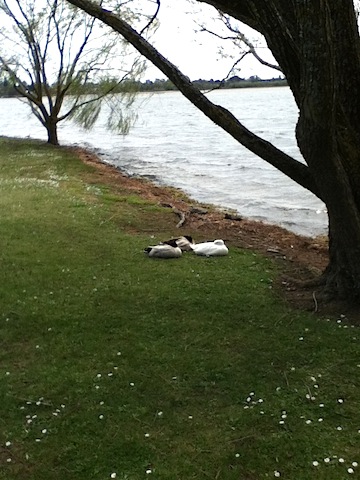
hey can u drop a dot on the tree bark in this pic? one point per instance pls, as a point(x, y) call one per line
point(316, 44)
point(52, 132)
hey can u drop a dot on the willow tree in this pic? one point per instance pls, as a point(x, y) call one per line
point(64, 65)
point(316, 44)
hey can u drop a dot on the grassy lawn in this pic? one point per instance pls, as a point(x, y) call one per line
point(114, 365)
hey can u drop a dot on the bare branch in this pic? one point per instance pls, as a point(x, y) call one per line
point(152, 19)
point(238, 38)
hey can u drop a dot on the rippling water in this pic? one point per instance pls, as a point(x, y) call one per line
point(173, 143)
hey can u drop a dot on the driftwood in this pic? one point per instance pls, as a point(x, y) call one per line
point(232, 216)
point(182, 216)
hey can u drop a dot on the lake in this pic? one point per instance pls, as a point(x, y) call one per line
point(173, 143)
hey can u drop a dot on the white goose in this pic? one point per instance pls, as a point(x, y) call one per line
point(169, 249)
point(217, 248)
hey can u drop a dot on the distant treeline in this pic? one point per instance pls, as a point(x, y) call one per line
point(233, 82)
point(7, 89)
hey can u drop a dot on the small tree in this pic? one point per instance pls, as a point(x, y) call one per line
point(65, 66)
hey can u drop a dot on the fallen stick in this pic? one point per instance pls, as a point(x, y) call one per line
point(181, 215)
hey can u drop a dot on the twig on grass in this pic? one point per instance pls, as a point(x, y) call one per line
point(315, 301)
point(181, 215)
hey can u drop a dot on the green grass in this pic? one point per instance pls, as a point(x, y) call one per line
point(191, 368)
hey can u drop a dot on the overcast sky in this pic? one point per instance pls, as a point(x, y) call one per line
point(197, 54)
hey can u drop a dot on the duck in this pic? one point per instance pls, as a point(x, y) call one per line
point(216, 248)
point(184, 242)
point(170, 249)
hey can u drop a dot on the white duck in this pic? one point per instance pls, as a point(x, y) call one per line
point(185, 242)
point(169, 249)
point(216, 248)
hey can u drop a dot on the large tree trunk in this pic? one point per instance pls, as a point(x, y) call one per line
point(328, 134)
point(316, 43)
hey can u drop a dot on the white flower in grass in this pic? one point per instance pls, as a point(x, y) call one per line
point(113, 475)
point(320, 419)
point(9, 460)
point(354, 464)
point(341, 460)
point(132, 384)
point(340, 400)
point(44, 431)
point(237, 455)
point(160, 414)
point(321, 405)
point(147, 435)
point(277, 474)
point(101, 417)
point(350, 470)
point(308, 422)
point(339, 428)
point(315, 463)
point(148, 471)
point(8, 444)
point(327, 460)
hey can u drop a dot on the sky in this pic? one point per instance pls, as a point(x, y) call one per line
point(197, 53)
